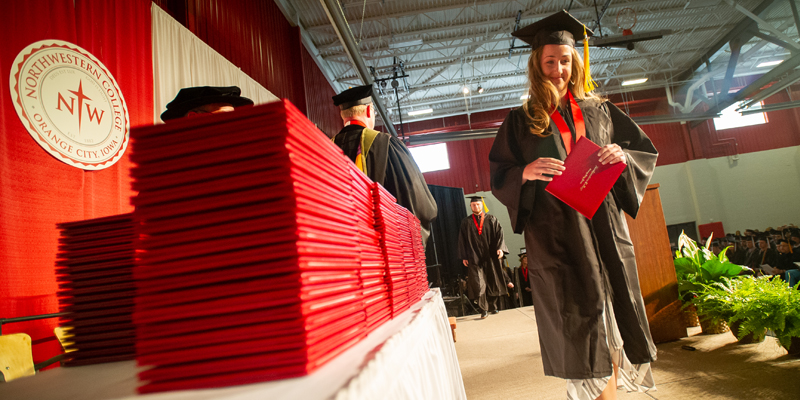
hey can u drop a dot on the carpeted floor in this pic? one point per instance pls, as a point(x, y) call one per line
point(500, 359)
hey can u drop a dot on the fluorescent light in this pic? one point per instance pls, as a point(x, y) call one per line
point(409, 43)
point(634, 81)
point(525, 97)
point(769, 63)
point(420, 112)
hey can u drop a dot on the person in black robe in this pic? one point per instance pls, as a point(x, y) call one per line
point(193, 101)
point(794, 240)
point(382, 157)
point(589, 309)
point(751, 251)
point(508, 301)
point(481, 247)
point(525, 289)
point(764, 255)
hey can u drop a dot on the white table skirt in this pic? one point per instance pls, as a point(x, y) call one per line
point(409, 357)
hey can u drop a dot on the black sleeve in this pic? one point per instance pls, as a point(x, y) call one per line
point(406, 183)
point(641, 158)
point(506, 164)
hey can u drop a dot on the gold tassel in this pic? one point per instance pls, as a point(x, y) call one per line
point(485, 209)
point(588, 84)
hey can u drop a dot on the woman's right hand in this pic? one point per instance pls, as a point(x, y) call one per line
point(539, 169)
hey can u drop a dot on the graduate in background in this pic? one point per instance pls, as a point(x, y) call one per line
point(592, 322)
point(481, 247)
point(381, 156)
point(524, 280)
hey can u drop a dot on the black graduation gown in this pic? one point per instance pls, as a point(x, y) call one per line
point(485, 275)
point(390, 164)
point(524, 281)
point(573, 261)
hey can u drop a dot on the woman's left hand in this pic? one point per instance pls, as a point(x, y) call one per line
point(612, 154)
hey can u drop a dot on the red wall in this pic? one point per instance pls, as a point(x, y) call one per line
point(319, 105)
point(675, 142)
point(37, 191)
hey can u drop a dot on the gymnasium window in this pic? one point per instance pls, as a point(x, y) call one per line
point(730, 118)
point(432, 157)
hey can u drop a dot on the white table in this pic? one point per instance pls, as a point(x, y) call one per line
point(409, 357)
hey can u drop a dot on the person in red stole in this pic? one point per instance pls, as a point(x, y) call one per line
point(524, 280)
point(382, 157)
point(590, 314)
point(481, 247)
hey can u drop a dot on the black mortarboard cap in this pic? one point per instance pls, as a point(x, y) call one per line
point(795, 232)
point(354, 96)
point(193, 97)
point(762, 236)
point(559, 28)
point(473, 199)
point(522, 252)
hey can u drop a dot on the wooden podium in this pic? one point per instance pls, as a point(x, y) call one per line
point(657, 277)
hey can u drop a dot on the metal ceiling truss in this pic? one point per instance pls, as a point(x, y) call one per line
point(337, 19)
point(476, 33)
point(778, 78)
point(430, 43)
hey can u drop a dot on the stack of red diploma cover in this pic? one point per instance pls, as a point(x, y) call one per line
point(390, 223)
point(94, 270)
point(373, 272)
point(417, 270)
point(262, 254)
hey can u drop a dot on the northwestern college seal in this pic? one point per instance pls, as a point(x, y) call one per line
point(70, 104)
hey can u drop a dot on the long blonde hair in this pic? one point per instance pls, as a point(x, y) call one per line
point(544, 95)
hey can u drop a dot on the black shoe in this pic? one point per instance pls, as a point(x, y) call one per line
point(484, 315)
point(496, 312)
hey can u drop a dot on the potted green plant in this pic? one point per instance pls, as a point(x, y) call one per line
point(757, 305)
point(696, 266)
point(754, 305)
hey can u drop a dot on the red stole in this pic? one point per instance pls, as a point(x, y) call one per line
point(475, 220)
point(577, 116)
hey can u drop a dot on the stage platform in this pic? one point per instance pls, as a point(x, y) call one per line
point(499, 359)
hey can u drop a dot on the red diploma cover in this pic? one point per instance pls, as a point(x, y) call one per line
point(585, 182)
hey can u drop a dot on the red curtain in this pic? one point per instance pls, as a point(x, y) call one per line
point(36, 190)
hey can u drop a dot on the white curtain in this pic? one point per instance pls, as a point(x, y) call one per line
point(181, 59)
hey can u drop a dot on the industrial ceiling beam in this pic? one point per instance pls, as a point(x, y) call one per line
point(763, 24)
point(681, 13)
point(773, 75)
point(339, 23)
point(743, 26)
point(787, 81)
point(645, 4)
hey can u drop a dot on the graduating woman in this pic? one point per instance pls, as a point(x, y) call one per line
point(593, 329)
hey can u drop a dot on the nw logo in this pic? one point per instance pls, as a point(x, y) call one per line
point(92, 113)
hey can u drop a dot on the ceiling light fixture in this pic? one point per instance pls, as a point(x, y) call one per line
point(634, 81)
point(465, 90)
point(769, 63)
point(420, 112)
point(480, 89)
